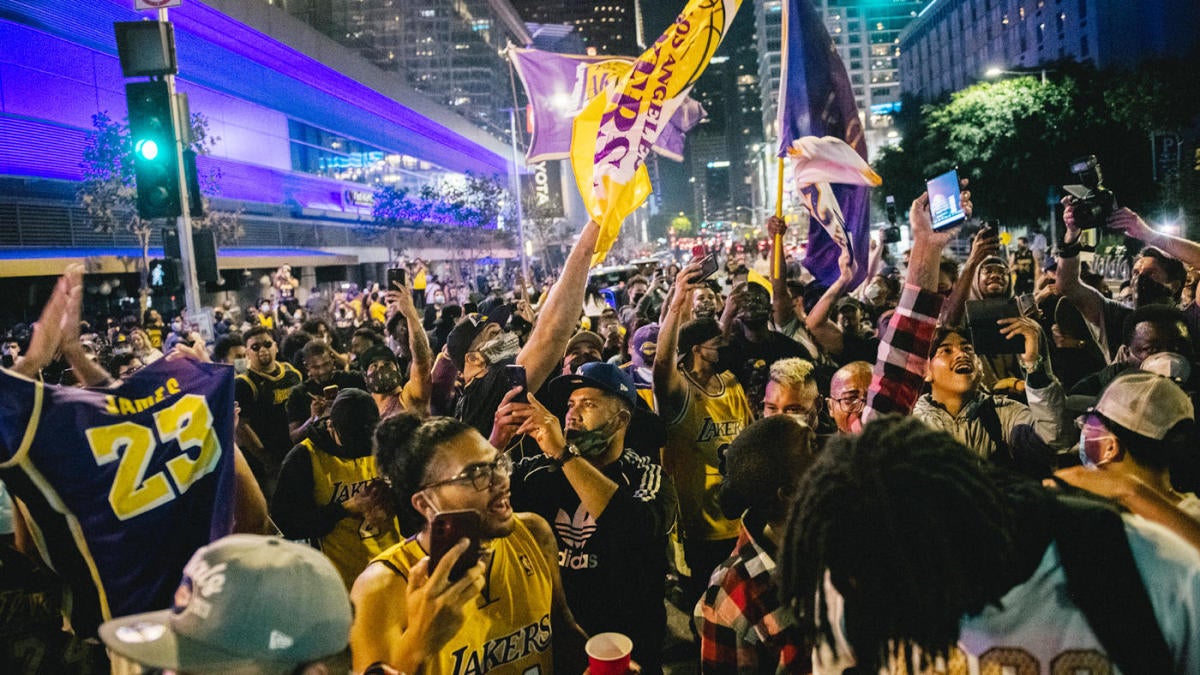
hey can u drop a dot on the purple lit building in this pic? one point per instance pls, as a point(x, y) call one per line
point(307, 129)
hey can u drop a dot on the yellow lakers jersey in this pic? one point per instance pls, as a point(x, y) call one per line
point(696, 441)
point(353, 542)
point(507, 630)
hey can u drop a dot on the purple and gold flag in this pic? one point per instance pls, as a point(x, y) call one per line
point(815, 99)
point(560, 85)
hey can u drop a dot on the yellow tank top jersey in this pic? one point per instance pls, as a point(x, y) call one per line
point(507, 630)
point(352, 543)
point(696, 440)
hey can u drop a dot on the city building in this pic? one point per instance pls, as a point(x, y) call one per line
point(719, 150)
point(953, 43)
point(448, 50)
point(307, 131)
point(866, 35)
point(607, 27)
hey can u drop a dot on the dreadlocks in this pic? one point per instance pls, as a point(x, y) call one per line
point(913, 534)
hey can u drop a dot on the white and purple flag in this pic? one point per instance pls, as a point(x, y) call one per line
point(816, 100)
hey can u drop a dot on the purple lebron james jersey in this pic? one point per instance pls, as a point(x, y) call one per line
point(120, 486)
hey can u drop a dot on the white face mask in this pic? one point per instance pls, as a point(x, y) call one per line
point(241, 365)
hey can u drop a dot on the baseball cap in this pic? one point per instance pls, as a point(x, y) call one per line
point(646, 336)
point(375, 353)
point(603, 376)
point(585, 337)
point(1170, 365)
point(459, 341)
point(1147, 404)
point(244, 600)
point(849, 301)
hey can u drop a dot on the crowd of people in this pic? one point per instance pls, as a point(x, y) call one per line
point(881, 475)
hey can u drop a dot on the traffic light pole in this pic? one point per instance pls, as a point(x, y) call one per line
point(187, 250)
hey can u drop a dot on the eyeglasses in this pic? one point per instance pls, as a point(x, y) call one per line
point(481, 476)
point(850, 402)
point(260, 346)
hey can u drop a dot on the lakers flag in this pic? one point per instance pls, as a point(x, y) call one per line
point(560, 85)
point(615, 131)
point(816, 100)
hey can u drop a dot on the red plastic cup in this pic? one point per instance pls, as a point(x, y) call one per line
point(608, 654)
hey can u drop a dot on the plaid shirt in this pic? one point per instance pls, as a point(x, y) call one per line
point(903, 354)
point(743, 627)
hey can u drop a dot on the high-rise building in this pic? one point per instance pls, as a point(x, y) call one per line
point(720, 149)
point(953, 43)
point(448, 50)
point(610, 27)
point(866, 34)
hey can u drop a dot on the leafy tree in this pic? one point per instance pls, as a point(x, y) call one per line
point(109, 192)
point(1014, 138)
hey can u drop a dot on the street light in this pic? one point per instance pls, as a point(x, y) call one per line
point(997, 71)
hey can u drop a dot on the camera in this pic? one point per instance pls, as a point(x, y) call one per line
point(1092, 201)
point(891, 233)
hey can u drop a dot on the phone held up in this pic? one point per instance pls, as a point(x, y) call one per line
point(891, 233)
point(708, 263)
point(945, 201)
point(447, 529)
point(517, 378)
point(396, 276)
point(330, 392)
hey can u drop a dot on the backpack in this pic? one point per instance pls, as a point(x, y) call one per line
point(1112, 595)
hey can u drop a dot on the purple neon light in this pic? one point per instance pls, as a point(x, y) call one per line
point(230, 57)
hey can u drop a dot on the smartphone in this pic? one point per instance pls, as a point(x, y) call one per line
point(708, 262)
point(945, 201)
point(446, 530)
point(890, 206)
point(330, 392)
point(396, 275)
point(516, 378)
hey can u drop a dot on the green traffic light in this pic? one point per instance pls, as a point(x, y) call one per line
point(148, 149)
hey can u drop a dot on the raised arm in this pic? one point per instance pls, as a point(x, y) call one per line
point(559, 314)
point(420, 371)
point(1127, 221)
point(818, 322)
point(904, 345)
point(781, 298)
point(986, 243)
point(1086, 299)
point(669, 385)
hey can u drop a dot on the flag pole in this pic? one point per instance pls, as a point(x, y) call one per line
point(777, 243)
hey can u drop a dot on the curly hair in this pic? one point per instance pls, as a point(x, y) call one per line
point(405, 446)
point(912, 532)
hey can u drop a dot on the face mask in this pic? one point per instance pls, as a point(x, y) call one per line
point(6, 361)
point(241, 365)
point(592, 443)
point(176, 326)
point(383, 381)
point(874, 294)
point(439, 299)
point(502, 346)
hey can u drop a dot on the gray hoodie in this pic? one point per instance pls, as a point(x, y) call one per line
point(1044, 416)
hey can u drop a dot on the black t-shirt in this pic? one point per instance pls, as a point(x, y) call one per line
point(1023, 269)
point(299, 405)
point(479, 400)
point(613, 567)
point(751, 362)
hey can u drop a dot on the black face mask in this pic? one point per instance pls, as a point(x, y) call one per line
point(6, 360)
point(593, 442)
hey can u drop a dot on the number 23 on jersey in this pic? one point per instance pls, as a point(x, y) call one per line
point(188, 422)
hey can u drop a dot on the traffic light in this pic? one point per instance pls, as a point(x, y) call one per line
point(152, 132)
point(165, 275)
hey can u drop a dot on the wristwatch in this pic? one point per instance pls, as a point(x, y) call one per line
point(569, 453)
